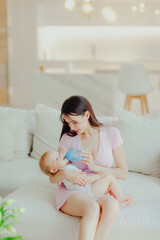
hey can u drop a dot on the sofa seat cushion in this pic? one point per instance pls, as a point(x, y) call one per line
point(17, 172)
point(141, 220)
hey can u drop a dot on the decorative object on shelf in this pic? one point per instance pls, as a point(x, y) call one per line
point(69, 67)
point(6, 214)
point(134, 81)
point(41, 68)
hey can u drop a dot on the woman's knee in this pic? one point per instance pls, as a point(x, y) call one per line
point(92, 209)
point(109, 202)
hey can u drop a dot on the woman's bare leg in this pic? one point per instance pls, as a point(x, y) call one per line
point(81, 205)
point(109, 211)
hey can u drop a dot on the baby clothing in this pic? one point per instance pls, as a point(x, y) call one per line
point(110, 139)
point(74, 187)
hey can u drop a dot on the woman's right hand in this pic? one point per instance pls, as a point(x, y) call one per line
point(75, 177)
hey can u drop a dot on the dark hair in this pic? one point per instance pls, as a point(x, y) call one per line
point(77, 105)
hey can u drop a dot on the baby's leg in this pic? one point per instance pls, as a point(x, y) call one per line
point(101, 186)
point(109, 183)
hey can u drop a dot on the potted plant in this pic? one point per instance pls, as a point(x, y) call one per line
point(8, 218)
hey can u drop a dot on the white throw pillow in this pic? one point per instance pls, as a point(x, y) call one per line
point(47, 130)
point(24, 129)
point(141, 135)
point(7, 131)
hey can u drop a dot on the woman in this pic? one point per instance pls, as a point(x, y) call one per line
point(100, 144)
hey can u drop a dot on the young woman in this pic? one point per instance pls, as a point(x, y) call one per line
point(101, 145)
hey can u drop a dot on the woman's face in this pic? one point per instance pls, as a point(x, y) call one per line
point(77, 123)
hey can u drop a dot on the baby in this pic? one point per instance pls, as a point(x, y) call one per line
point(98, 184)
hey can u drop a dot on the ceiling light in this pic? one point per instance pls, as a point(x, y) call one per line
point(134, 8)
point(142, 5)
point(69, 4)
point(142, 10)
point(87, 8)
point(87, 0)
point(109, 14)
point(157, 11)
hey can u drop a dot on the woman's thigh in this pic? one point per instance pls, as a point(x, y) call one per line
point(78, 203)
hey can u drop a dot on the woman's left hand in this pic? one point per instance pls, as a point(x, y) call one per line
point(88, 160)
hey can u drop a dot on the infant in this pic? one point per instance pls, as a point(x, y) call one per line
point(52, 161)
point(98, 185)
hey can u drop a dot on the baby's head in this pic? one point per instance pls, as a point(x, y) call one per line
point(51, 162)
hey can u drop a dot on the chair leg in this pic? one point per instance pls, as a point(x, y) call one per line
point(127, 102)
point(145, 103)
point(142, 103)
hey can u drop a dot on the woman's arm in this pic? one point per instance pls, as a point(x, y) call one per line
point(120, 172)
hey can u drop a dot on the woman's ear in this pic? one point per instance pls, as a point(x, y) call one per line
point(87, 114)
point(53, 170)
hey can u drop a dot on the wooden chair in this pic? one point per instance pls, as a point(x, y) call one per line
point(134, 81)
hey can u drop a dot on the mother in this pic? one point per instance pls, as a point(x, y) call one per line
point(101, 144)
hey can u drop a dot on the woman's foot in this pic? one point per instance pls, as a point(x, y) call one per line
point(125, 201)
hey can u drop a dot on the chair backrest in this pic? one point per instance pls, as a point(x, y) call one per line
point(133, 79)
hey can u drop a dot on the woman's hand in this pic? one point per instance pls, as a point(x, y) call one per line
point(89, 161)
point(76, 177)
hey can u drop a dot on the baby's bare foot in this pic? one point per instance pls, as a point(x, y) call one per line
point(125, 201)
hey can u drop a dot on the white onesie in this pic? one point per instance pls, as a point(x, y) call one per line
point(74, 187)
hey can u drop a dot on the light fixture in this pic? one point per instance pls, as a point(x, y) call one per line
point(109, 14)
point(87, 8)
point(157, 11)
point(142, 5)
point(134, 8)
point(69, 4)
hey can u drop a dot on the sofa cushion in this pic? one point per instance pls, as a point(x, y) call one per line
point(141, 220)
point(47, 130)
point(23, 135)
point(7, 130)
point(141, 135)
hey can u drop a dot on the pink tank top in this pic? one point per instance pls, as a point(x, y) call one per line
point(110, 139)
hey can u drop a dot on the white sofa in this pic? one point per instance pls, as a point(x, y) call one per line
point(25, 135)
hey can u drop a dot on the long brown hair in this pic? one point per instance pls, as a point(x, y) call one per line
point(77, 105)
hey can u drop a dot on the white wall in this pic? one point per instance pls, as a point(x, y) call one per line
point(25, 17)
point(115, 44)
point(22, 51)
